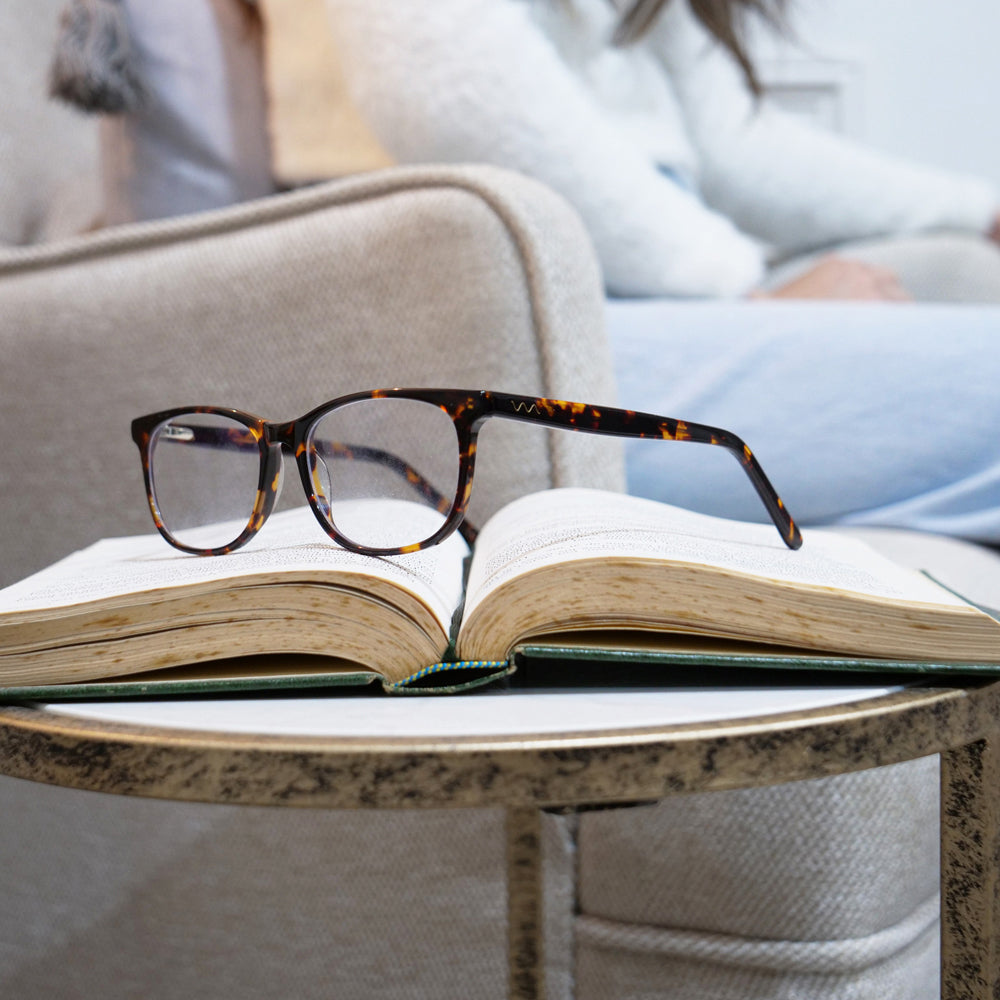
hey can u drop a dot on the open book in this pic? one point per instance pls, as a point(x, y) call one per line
point(580, 573)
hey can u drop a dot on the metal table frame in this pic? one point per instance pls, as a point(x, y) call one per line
point(527, 775)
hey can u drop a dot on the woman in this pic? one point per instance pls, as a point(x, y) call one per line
point(649, 123)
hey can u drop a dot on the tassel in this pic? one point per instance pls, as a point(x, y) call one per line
point(92, 68)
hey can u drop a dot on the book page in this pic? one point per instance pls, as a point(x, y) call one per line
point(563, 525)
point(290, 545)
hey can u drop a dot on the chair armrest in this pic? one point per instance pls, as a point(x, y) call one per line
point(464, 276)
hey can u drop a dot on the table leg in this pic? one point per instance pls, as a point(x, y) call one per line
point(525, 947)
point(970, 883)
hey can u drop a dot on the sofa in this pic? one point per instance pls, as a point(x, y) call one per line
point(461, 276)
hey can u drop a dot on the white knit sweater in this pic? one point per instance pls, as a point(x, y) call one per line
point(534, 85)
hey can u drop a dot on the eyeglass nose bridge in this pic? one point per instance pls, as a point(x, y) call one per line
point(271, 478)
point(278, 439)
point(283, 434)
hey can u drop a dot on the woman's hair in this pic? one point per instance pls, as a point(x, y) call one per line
point(722, 18)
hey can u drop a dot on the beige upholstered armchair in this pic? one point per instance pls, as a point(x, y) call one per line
point(451, 276)
point(466, 277)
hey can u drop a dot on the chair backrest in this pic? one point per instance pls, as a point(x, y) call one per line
point(467, 277)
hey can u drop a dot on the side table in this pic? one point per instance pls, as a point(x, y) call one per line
point(531, 751)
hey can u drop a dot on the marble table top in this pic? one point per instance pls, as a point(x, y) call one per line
point(514, 712)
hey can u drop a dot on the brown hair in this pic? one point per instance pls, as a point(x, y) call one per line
point(723, 19)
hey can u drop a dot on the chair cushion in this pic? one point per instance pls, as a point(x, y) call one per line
point(641, 963)
point(841, 857)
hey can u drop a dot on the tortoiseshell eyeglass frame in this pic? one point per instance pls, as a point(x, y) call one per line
point(467, 410)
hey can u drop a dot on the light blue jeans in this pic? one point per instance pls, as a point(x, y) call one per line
point(866, 414)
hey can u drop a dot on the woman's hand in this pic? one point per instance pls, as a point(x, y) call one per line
point(841, 278)
point(993, 232)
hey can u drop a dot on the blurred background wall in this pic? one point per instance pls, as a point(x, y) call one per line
point(916, 77)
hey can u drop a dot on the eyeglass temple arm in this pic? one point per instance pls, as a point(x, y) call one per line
point(635, 424)
point(230, 437)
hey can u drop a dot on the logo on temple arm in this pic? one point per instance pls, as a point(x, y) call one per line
point(524, 407)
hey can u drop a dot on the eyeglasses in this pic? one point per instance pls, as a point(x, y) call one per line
point(213, 474)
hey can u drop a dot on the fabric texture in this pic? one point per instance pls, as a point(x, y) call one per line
point(536, 87)
point(470, 278)
point(785, 892)
point(641, 964)
point(673, 865)
point(861, 414)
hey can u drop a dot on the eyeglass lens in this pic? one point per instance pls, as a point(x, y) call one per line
point(385, 473)
point(402, 453)
point(205, 471)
